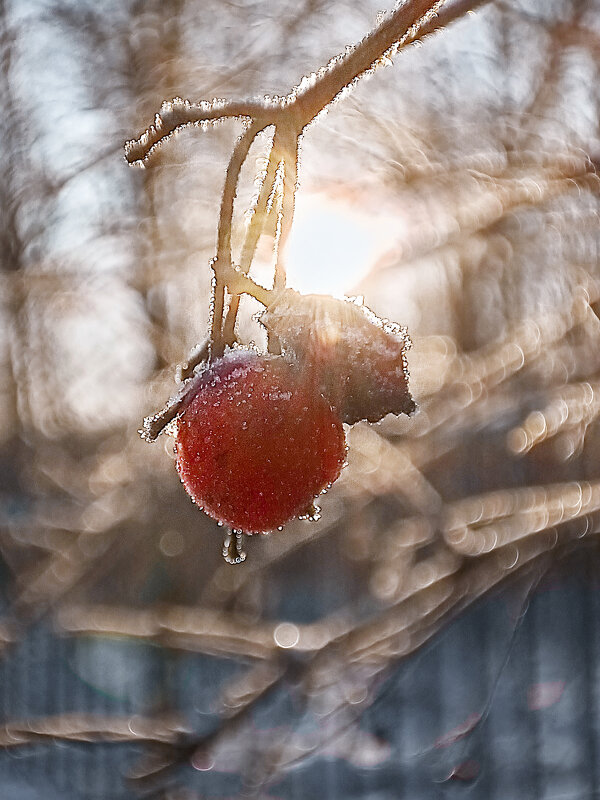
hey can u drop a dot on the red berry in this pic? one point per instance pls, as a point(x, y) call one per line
point(255, 444)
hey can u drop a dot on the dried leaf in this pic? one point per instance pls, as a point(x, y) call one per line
point(357, 360)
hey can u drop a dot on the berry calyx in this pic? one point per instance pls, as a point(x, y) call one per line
point(256, 444)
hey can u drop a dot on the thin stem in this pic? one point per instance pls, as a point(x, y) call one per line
point(196, 356)
point(239, 283)
point(286, 213)
point(155, 424)
point(289, 173)
point(260, 214)
point(222, 263)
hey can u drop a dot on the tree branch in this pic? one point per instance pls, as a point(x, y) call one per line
point(91, 728)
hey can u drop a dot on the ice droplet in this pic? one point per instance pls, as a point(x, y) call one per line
point(312, 513)
point(232, 547)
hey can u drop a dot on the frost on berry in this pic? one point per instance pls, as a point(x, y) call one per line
point(255, 443)
point(357, 360)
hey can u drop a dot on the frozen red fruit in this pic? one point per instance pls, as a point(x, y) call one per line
point(256, 444)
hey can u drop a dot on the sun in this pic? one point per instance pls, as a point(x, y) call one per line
point(334, 244)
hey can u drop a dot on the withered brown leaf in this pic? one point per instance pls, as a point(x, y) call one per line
point(357, 360)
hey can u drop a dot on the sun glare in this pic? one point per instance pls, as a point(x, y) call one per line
point(333, 246)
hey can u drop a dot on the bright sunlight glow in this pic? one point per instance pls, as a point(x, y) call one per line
point(333, 246)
